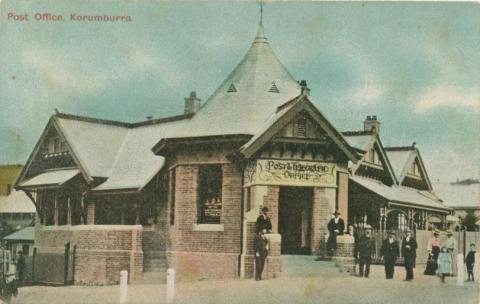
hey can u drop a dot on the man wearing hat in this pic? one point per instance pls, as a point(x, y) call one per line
point(390, 252)
point(336, 226)
point(364, 249)
point(263, 221)
point(433, 248)
point(451, 245)
point(409, 253)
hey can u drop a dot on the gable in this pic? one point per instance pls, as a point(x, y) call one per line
point(302, 126)
point(416, 176)
point(375, 164)
point(52, 152)
point(298, 127)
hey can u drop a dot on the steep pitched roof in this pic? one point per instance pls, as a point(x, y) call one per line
point(365, 141)
point(402, 159)
point(253, 100)
point(121, 152)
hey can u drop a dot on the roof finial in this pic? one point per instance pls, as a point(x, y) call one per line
point(260, 37)
point(261, 11)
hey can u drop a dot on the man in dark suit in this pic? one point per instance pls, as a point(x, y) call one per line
point(409, 253)
point(263, 221)
point(364, 249)
point(336, 226)
point(390, 252)
point(261, 252)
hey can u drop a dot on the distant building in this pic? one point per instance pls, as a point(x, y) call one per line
point(8, 174)
point(21, 240)
point(462, 198)
point(16, 208)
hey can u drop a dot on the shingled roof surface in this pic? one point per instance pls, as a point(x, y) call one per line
point(121, 152)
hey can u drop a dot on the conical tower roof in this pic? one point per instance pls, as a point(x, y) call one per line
point(251, 93)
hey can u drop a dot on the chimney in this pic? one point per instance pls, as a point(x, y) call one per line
point(303, 88)
point(192, 103)
point(371, 124)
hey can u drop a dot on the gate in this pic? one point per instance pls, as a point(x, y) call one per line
point(53, 268)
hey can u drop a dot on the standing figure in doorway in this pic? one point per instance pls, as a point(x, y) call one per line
point(336, 226)
point(263, 221)
point(364, 249)
point(433, 248)
point(451, 245)
point(390, 252)
point(409, 253)
point(261, 252)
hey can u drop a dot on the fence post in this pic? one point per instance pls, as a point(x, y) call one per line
point(170, 285)
point(460, 272)
point(33, 264)
point(123, 286)
point(65, 265)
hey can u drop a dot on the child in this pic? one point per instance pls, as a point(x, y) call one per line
point(470, 261)
point(444, 263)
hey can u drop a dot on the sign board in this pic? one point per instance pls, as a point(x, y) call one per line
point(290, 173)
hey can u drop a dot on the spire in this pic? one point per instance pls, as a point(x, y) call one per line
point(260, 37)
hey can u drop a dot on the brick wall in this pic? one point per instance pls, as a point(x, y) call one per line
point(102, 251)
point(323, 205)
point(194, 252)
point(271, 201)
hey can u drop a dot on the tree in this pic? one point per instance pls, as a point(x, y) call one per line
point(469, 221)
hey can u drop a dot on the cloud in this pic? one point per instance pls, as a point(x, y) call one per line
point(448, 96)
point(368, 91)
point(54, 67)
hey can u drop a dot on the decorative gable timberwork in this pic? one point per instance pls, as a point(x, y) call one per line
point(416, 176)
point(375, 165)
point(52, 152)
point(299, 131)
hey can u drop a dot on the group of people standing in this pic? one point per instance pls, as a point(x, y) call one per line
point(365, 249)
point(439, 257)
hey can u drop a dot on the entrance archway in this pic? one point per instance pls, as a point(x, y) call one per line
point(295, 219)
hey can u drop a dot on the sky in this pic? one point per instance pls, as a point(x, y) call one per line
point(414, 65)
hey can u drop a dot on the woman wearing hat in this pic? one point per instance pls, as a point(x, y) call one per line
point(451, 245)
point(433, 248)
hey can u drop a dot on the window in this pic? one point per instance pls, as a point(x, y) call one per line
point(209, 194)
point(301, 127)
point(172, 196)
point(56, 145)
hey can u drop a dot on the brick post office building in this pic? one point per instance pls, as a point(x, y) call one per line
point(185, 191)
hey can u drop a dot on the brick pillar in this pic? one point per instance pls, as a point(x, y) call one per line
point(344, 254)
point(90, 213)
point(271, 201)
point(343, 196)
point(323, 205)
